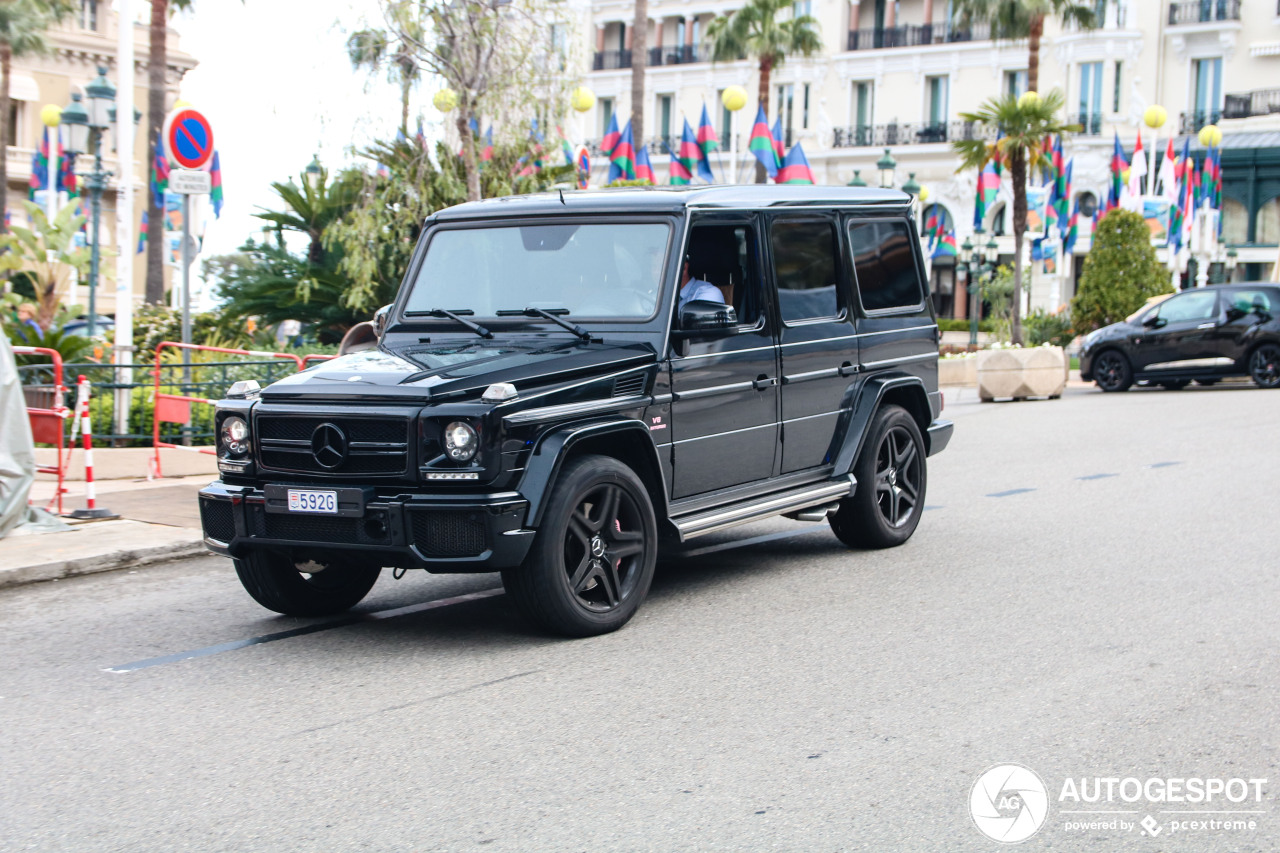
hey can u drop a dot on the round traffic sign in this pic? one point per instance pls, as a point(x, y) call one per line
point(188, 138)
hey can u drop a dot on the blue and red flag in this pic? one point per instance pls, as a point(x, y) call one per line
point(611, 136)
point(583, 165)
point(795, 169)
point(1072, 232)
point(779, 146)
point(486, 153)
point(1118, 165)
point(707, 139)
point(678, 175)
point(142, 234)
point(622, 161)
point(761, 144)
point(215, 185)
point(691, 156)
point(644, 169)
point(988, 189)
point(946, 247)
point(159, 174)
point(39, 167)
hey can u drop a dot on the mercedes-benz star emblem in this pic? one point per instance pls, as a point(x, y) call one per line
point(329, 445)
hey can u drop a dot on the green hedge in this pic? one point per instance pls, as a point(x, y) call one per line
point(948, 325)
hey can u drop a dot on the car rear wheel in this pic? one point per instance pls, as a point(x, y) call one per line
point(593, 559)
point(1264, 366)
point(279, 582)
point(1112, 371)
point(891, 473)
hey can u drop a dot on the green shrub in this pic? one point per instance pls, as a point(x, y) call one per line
point(948, 324)
point(1044, 327)
point(1120, 272)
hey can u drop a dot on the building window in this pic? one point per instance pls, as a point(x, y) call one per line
point(15, 114)
point(89, 15)
point(804, 119)
point(1115, 91)
point(938, 89)
point(1088, 203)
point(1235, 222)
point(664, 117)
point(622, 36)
point(785, 109)
point(1090, 96)
point(1207, 96)
point(802, 8)
point(724, 118)
point(679, 32)
point(1266, 228)
point(606, 113)
point(1015, 82)
point(863, 112)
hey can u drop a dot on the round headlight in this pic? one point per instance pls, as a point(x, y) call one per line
point(235, 436)
point(460, 441)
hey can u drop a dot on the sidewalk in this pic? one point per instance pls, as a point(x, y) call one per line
point(159, 521)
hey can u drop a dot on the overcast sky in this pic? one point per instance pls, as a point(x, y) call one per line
point(276, 85)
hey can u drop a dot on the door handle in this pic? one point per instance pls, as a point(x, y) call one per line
point(848, 369)
point(763, 382)
point(1206, 325)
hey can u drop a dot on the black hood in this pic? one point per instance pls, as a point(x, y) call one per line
point(456, 369)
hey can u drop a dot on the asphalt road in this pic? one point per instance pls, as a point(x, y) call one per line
point(1092, 593)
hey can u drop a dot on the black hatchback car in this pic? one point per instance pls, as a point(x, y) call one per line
point(566, 382)
point(1199, 335)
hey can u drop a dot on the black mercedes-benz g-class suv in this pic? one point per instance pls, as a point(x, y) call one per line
point(566, 382)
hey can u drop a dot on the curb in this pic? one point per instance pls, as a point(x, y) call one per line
point(110, 562)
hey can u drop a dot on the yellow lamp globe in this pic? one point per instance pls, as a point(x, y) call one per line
point(582, 99)
point(1155, 116)
point(734, 98)
point(924, 194)
point(1029, 98)
point(181, 104)
point(1210, 136)
point(51, 115)
point(445, 100)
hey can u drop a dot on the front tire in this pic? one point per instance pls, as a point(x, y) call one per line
point(1264, 366)
point(1112, 372)
point(892, 476)
point(278, 582)
point(593, 559)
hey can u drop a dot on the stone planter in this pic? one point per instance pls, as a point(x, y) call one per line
point(1021, 373)
point(958, 371)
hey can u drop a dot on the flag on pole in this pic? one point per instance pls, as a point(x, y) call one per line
point(1118, 165)
point(486, 153)
point(761, 144)
point(159, 174)
point(1073, 232)
point(988, 189)
point(583, 165)
point(691, 155)
point(215, 185)
point(1064, 196)
point(622, 161)
point(779, 145)
point(677, 174)
point(644, 169)
point(946, 247)
point(707, 139)
point(422, 134)
point(1167, 178)
point(142, 234)
point(932, 226)
point(611, 136)
point(795, 168)
point(39, 167)
point(1137, 169)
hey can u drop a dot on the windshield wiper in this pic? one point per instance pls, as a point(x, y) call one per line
point(548, 315)
point(456, 317)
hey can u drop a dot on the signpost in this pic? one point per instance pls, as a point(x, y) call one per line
point(188, 143)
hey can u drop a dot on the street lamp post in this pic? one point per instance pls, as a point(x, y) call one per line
point(885, 166)
point(85, 128)
point(1233, 260)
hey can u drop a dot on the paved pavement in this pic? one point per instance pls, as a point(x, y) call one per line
point(1092, 593)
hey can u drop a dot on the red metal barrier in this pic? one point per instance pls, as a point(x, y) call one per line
point(308, 358)
point(49, 424)
point(176, 408)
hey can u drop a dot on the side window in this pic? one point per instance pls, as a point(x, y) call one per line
point(885, 265)
point(805, 267)
point(1251, 301)
point(725, 256)
point(1189, 307)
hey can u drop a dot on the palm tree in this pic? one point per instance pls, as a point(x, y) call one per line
point(373, 50)
point(312, 207)
point(755, 31)
point(1020, 126)
point(1017, 19)
point(639, 61)
point(22, 28)
point(157, 87)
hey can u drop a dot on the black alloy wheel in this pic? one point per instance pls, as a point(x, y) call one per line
point(1112, 372)
point(892, 477)
point(592, 562)
point(1264, 366)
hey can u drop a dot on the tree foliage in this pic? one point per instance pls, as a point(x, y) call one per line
point(1020, 126)
point(47, 251)
point(1017, 19)
point(373, 50)
point(1120, 272)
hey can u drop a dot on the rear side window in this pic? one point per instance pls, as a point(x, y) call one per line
point(885, 265)
point(1251, 301)
point(804, 266)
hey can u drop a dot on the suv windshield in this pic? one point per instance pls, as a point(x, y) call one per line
point(606, 271)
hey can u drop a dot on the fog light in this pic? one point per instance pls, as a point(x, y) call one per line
point(460, 441)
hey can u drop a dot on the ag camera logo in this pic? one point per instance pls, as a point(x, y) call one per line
point(1009, 803)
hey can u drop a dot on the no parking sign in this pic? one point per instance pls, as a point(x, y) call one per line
point(188, 139)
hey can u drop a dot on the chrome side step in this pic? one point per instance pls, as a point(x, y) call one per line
point(792, 501)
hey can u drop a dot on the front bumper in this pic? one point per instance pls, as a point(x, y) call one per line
point(440, 533)
point(1086, 365)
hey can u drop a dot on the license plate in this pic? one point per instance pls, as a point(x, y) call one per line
point(305, 500)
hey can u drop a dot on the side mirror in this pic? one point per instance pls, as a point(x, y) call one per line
point(703, 318)
point(380, 320)
point(1155, 321)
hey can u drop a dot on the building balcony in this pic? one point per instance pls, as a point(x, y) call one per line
point(681, 54)
point(905, 133)
point(1259, 102)
point(1192, 122)
point(915, 36)
point(1203, 11)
